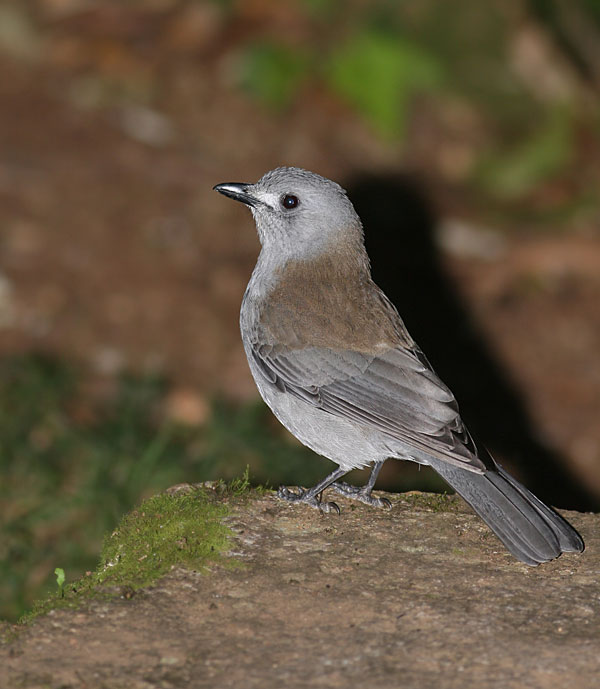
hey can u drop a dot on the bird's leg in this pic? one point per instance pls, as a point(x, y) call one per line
point(363, 493)
point(313, 495)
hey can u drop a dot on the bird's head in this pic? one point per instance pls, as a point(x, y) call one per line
point(298, 213)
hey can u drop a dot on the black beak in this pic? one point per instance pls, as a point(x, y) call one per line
point(237, 191)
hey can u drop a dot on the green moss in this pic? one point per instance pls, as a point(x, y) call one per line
point(75, 456)
point(163, 532)
point(434, 502)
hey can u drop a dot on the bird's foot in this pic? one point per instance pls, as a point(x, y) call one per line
point(308, 498)
point(361, 493)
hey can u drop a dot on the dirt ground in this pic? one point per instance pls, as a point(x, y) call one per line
point(419, 596)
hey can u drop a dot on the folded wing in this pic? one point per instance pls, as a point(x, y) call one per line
point(395, 392)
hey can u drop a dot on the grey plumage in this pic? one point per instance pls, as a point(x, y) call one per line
point(333, 360)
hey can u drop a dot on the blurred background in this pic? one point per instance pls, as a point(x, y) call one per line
point(468, 136)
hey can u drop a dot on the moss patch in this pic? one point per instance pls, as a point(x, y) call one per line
point(183, 529)
point(432, 502)
point(165, 530)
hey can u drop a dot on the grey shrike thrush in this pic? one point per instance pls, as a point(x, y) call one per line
point(333, 360)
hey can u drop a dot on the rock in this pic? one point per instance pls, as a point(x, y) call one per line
point(420, 596)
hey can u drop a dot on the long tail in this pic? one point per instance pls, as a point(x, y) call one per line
point(532, 531)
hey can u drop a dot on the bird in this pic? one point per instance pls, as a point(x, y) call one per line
point(332, 358)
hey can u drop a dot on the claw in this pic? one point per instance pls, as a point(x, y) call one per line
point(329, 507)
point(358, 493)
point(284, 493)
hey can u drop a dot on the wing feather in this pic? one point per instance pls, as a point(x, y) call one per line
point(395, 392)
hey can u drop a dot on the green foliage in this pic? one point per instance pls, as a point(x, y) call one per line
point(237, 486)
point(480, 67)
point(70, 467)
point(320, 9)
point(60, 578)
point(273, 72)
point(64, 482)
point(376, 72)
point(544, 153)
point(379, 73)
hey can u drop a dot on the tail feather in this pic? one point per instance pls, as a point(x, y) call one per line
point(530, 530)
point(569, 540)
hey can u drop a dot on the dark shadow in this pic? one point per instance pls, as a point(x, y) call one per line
point(399, 224)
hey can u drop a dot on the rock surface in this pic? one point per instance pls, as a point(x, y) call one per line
point(422, 596)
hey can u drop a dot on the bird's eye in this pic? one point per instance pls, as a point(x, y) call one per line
point(290, 201)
